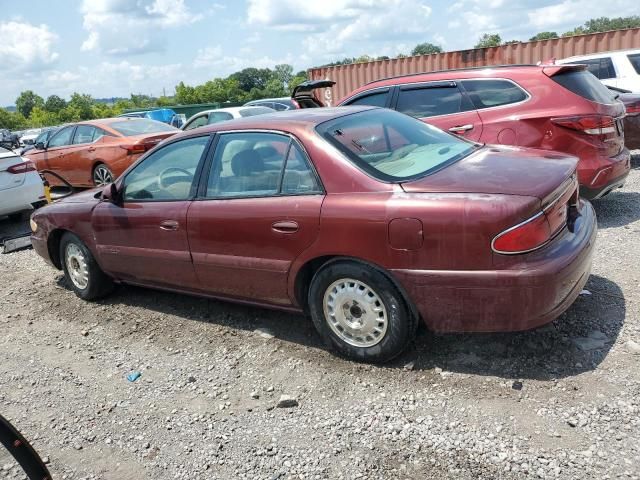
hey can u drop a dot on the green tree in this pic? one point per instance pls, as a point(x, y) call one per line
point(80, 104)
point(12, 120)
point(489, 40)
point(543, 36)
point(605, 24)
point(142, 101)
point(284, 74)
point(26, 101)
point(54, 104)
point(426, 48)
point(185, 94)
point(40, 117)
point(252, 78)
point(165, 101)
point(511, 42)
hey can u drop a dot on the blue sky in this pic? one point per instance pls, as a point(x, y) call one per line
point(115, 47)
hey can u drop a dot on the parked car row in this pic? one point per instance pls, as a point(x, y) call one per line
point(21, 188)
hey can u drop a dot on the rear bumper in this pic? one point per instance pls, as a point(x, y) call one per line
point(533, 291)
point(610, 174)
point(23, 197)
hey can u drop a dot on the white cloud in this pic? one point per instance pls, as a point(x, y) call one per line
point(27, 46)
point(122, 27)
point(572, 13)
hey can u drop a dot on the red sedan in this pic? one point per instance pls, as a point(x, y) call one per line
point(365, 218)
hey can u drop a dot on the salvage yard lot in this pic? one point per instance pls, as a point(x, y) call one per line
point(562, 401)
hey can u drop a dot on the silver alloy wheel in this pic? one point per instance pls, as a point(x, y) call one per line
point(102, 176)
point(355, 312)
point(77, 266)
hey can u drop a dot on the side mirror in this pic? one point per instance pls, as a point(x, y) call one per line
point(40, 146)
point(110, 193)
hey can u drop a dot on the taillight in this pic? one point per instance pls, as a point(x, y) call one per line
point(542, 227)
point(135, 149)
point(632, 108)
point(591, 124)
point(524, 237)
point(22, 167)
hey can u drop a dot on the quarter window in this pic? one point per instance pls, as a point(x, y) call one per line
point(214, 117)
point(378, 99)
point(493, 93)
point(63, 137)
point(423, 102)
point(168, 173)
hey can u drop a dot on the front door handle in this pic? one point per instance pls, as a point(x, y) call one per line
point(91, 149)
point(461, 128)
point(169, 225)
point(285, 226)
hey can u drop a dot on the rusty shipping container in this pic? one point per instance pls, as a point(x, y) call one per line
point(350, 77)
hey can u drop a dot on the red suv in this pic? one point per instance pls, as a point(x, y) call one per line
point(552, 107)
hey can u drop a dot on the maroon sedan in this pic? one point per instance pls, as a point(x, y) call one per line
point(365, 218)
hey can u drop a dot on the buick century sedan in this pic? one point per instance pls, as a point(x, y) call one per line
point(364, 218)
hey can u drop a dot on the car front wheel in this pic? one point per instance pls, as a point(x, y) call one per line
point(84, 275)
point(359, 312)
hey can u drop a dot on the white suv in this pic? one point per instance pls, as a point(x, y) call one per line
point(617, 69)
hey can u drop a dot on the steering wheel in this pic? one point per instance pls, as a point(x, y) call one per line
point(162, 180)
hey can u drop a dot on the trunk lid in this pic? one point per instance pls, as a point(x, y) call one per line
point(501, 170)
point(303, 93)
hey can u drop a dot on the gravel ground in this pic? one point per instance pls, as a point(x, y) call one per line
point(562, 401)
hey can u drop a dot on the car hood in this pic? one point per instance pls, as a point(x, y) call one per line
point(86, 196)
point(500, 170)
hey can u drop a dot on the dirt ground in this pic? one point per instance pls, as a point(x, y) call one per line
point(562, 401)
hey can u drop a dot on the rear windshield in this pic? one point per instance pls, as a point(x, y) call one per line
point(635, 61)
point(139, 126)
point(392, 146)
point(585, 84)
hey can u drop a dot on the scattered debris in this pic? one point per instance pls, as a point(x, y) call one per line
point(133, 376)
point(287, 401)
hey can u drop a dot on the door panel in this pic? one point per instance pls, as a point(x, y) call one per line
point(134, 243)
point(465, 124)
point(244, 247)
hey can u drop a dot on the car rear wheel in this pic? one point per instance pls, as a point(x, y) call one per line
point(359, 312)
point(84, 275)
point(102, 175)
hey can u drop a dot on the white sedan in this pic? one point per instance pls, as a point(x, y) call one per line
point(222, 114)
point(21, 187)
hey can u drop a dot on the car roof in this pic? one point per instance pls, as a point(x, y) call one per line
point(279, 99)
point(232, 110)
point(286, 120)
point(598, 55)
point(107, 121)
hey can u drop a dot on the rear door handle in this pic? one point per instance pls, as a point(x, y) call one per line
point(285, 226)
point(461, 128)
point(169, 225)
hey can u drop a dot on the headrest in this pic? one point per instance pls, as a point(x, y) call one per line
point(246, 162)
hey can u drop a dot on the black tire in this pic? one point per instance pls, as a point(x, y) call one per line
point(98, 283)
point(401, 323)
point(101, 167)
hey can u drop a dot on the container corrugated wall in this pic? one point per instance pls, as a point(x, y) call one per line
point(350, 77)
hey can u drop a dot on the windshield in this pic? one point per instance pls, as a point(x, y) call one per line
point(392, 146)
point(139, 126)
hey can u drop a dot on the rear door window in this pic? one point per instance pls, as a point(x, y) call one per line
point(602, 68)
point(584, 84)
point(214, 117)
point(376, 99)
point(635, 61)
point(84, 134)
point(493, 93)
point(431, 101)
point(197, 122)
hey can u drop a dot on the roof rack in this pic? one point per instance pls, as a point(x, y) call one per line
point(455, 70)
